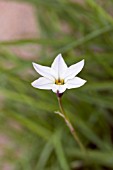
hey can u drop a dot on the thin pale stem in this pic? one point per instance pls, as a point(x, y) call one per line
point(70, 126)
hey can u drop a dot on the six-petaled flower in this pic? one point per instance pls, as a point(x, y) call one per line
point(58, 77)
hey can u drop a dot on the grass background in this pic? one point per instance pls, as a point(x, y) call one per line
point(39, 139)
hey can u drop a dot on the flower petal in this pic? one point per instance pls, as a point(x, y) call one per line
point(75, 83)
point(59, 66)
point(44, 71)
point(73, 70)
point(42, 83)
point(60, 88)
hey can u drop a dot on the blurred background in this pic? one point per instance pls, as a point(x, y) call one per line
point(32, 136)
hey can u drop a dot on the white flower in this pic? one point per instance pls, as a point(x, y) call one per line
point(58, 77)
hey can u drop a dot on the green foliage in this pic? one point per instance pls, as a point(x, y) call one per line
point(40, 139)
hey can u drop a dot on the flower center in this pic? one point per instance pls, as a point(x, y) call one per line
point(59, 82)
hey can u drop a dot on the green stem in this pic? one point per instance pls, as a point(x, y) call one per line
point(70, 126)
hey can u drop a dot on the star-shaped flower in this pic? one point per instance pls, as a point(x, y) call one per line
point(58, 77)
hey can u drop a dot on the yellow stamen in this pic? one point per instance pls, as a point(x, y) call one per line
point(59, 82)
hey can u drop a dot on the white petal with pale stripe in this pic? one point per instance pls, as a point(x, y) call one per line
point(43, 83)
point(75, 83)
point(59, 66)
point(73, 70)
point(59, 88)
point(44, 71)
